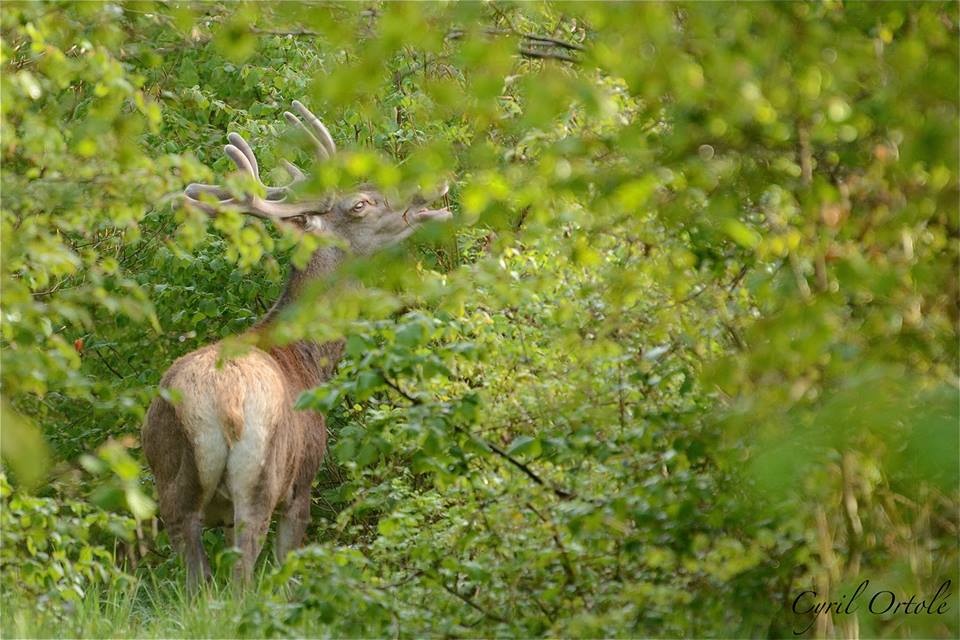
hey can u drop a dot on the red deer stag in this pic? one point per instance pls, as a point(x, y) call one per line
point(233, 449)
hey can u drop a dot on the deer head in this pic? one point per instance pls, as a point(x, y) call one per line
point(362, 216)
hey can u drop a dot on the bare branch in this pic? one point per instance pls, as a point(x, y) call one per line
point(393, 385)
point(297, 32)
point(470, 603)
point(564, 556)
point(534, 40)
point(527, 45)
point(107, 364)
point(547, 55)
point(573, 46)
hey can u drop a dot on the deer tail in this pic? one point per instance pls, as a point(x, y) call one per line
point(230, 412)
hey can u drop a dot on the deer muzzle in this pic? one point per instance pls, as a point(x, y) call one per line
point(428, 215)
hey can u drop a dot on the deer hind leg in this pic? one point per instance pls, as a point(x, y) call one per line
point(181, 511)
point(178, 486)
point(198, 566)
point(250, 530)
point(253, 487)
point(293, 524)
point(296, 515)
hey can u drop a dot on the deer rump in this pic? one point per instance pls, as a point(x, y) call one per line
point(233, 448)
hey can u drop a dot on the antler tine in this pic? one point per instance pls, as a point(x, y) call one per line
point(222, 193)
point(237, 140)
point(249, 204)
point(255, 205)
point(241, 160)
point(314, 129)
point(293, 170)
point(273, 193)
point(319, 148)
point(206, 207)
point(193, 191)
point(224, 196)
point(319, 128)
point(242, 155)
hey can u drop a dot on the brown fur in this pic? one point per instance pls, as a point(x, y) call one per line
point(231, 416)
point(169, 454)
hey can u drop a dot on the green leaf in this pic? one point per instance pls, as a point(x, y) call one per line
point(139, 504)
point(410, 335)
point(741, 233)
point(524, 446)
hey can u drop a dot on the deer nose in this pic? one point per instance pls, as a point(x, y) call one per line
point(426, 215)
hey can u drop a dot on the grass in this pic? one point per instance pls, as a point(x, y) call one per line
point(143, 607)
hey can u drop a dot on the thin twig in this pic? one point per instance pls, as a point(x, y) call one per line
point(565, 558)
point(535, 40)
point(107, 364)
point(737, 279)
point(393, 385)
point(561, 493)
point(299, 31)
point(403, 581)
point(547, 55)
point(525, 49)
point(470, 602)
point(573, 46)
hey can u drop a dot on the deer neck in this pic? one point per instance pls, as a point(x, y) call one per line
point(323, 263)
point(307, 361)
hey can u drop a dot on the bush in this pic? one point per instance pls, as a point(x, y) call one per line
point(689, 350)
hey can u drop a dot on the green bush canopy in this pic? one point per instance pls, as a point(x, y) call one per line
point(684, 364)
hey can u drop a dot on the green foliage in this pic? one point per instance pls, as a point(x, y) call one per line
point(55, 551)
point(690, 349)
point(116, 476)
